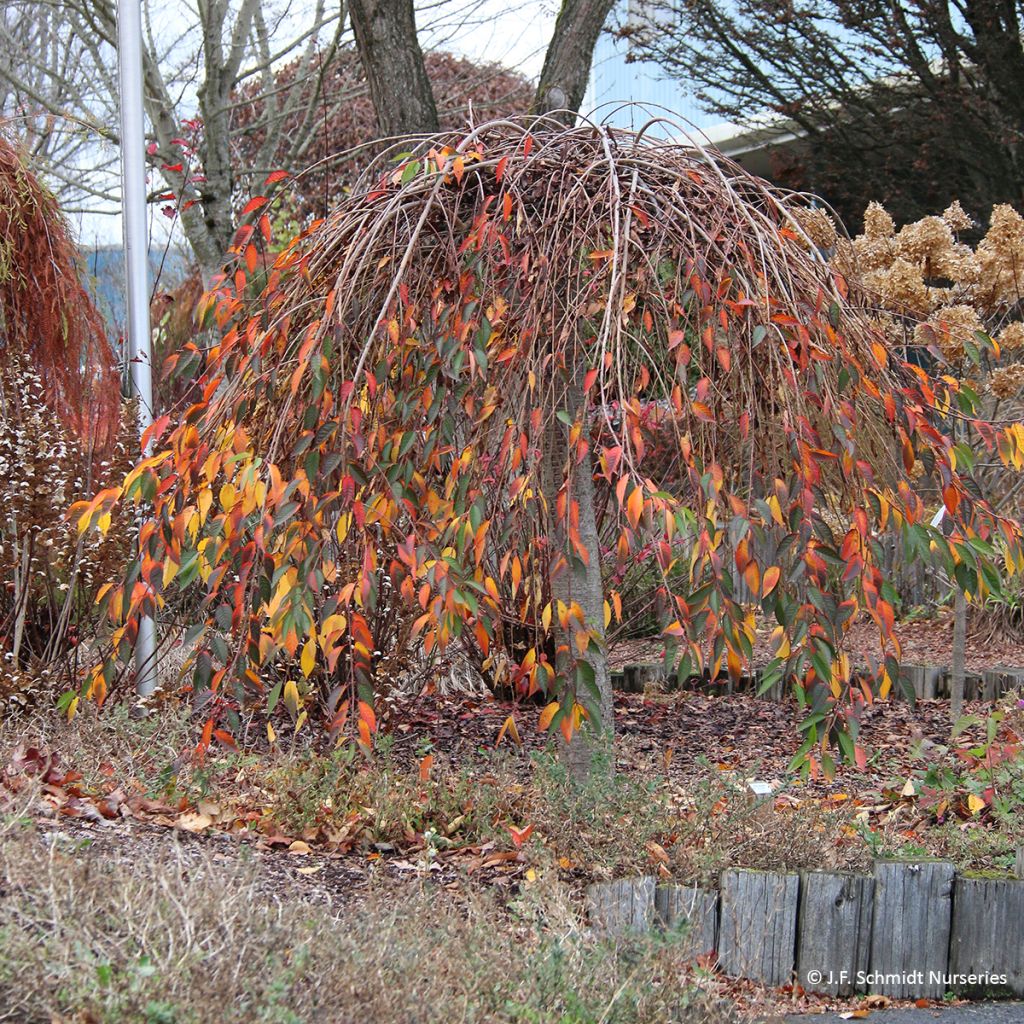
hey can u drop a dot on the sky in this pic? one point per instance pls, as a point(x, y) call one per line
point(514, 33)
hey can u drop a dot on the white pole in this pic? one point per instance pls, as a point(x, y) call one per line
point(136, 264)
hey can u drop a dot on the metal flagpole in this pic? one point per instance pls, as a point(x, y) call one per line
point(136, 264)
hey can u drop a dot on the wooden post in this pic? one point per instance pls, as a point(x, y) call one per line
point(911, 682)
point(910, 928)
point(932, 681)
point(987, 937)
point(834, 946)
point(639, 678)
point(957, 676)
point(697, 909)
point(757, 931)
point(992, 684)
point(624, 905)
point(618, 679)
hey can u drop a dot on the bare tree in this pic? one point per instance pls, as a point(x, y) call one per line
point(909, 103)
point(57, 59)
point(392, 59)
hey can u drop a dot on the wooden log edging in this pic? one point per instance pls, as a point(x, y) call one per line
point(916, 682)
point(912, 930)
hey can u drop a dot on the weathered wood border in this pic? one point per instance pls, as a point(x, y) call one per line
point(916, 682)
point(913, 930)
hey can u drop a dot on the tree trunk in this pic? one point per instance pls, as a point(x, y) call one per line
point(563, 80)
point(956, 683)
point(590, 748)
point(392, 60)
point(562, 85)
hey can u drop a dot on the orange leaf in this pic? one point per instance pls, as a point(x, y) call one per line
point(254, 204)
point(770, 580)
point(635, 506)
point(951, 498)
point(566, 726)
point(425, 765)
point(367, 715)
point(509, 728)
point(520, 835)
point(752, 574)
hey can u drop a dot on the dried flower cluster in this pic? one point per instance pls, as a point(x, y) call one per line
point(49, 575)
point(924, 274)
point(1007, 381)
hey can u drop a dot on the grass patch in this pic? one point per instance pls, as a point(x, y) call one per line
point(108, 940)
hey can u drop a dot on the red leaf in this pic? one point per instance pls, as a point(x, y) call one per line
point(254, 204)
point(275, 176)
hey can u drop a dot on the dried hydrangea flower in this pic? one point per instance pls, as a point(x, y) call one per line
point(818, 225)
point(877, 222)
point(1007, 381)
point(1011, 337)
point(956, 217)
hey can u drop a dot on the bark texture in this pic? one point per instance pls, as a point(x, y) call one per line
point(392, 59)
point(563, 80)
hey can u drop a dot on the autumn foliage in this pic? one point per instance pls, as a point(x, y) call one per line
point(46, 315)
point(416, 407)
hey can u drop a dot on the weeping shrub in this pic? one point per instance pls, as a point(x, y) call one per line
point(461, 406)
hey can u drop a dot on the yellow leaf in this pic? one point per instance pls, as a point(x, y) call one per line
point(72, 708)
point(331, 625)
point(291, 697)
point(204, 501)
point(227, 497)
point(271, 735)
point(170, 571)
point(975, 803)
point(103, 523)
point(344, 522)
point(307, 660)
point(547, 715)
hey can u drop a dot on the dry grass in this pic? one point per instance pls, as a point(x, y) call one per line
point(99, 939)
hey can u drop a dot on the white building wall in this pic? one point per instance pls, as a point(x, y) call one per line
point(615, 81)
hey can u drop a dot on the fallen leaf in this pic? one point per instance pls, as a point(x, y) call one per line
point(191, 822)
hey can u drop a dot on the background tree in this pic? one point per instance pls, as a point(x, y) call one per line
point(909, 104)
point(339, 148)
point(193, 69)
